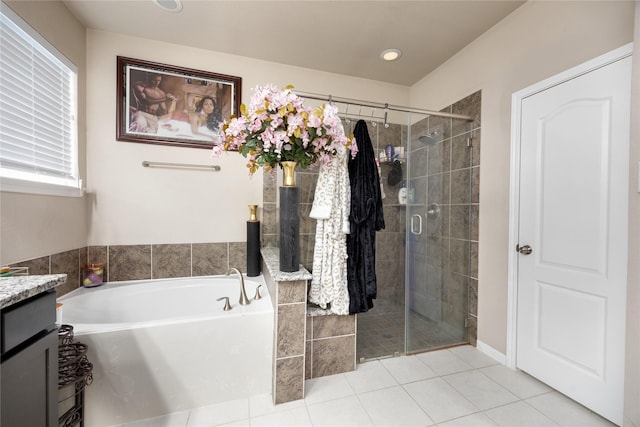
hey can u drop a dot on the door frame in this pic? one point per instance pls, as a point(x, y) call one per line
point(514, 179)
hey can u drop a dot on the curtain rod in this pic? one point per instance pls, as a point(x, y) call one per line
point(357, 102)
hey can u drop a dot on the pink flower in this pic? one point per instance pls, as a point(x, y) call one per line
point(279, 127)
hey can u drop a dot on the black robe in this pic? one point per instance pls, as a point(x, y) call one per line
point(365, 219)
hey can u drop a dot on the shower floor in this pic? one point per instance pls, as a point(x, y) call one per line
point(381, 333)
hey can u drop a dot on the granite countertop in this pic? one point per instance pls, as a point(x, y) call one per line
point(271, 258)
point(19, 288)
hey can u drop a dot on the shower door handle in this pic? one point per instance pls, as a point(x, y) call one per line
point(416, 230)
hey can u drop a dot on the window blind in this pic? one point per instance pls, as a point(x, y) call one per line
point(37, 108)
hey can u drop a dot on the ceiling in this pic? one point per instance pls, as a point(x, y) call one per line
point(344, 37)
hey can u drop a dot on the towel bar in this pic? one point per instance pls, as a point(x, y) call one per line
point(148, 164)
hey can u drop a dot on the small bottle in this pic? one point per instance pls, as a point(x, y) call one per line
point(402, 194)
point(389, 152)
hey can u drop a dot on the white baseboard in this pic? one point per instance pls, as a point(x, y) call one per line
point(491, 352)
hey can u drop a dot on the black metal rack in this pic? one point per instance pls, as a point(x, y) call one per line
point(74, 374)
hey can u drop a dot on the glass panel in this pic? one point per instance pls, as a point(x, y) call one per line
point(437, 242)
point(381, 331)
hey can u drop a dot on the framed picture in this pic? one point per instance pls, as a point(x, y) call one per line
point(164, 104)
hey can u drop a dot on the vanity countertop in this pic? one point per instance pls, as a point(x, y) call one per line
point(19, 288)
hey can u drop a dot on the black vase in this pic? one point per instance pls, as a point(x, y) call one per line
point(289, 221)
point(253, 243)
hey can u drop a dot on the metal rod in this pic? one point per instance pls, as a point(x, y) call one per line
point(360, 103)
point(148, 164)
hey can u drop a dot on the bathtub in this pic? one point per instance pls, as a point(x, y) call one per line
point(162, 346)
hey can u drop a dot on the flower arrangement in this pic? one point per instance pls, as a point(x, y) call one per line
point(277, 127)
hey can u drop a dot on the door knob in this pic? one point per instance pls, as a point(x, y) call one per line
point(525, 250)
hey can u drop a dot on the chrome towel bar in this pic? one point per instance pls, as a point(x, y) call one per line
point(148, 164)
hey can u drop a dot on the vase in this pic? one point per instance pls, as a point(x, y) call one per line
point(253, 243)
point(289, 220)
point(289, 175)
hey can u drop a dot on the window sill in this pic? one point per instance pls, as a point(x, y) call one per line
point(12, 185)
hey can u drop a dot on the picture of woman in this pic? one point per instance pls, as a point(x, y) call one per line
point(206, 117)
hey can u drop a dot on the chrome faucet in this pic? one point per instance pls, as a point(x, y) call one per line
point(243, 295)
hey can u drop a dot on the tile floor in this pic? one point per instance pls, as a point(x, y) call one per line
point(381, 332)
point(449, 388)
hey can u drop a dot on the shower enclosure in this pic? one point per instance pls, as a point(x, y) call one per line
point(426, 261)
point(426, 257)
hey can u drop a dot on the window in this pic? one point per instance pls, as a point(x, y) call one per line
point(38, 108)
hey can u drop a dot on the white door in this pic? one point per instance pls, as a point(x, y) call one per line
point(571, 287)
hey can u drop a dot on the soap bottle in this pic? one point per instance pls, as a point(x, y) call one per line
point(402, 194)
point(389, 152)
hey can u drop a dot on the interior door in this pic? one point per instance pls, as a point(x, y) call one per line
point(572, 236)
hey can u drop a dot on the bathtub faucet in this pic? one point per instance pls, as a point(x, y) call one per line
point(243, 295)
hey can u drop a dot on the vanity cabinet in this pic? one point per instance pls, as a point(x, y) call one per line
point(29, 362)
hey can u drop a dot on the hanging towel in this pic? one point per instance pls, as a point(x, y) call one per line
point(331, 210)
point(365, 219)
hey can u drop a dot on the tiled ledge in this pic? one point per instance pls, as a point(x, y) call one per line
point(314, 311)
point(271, 258)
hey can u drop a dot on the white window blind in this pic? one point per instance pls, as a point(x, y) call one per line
point(38, 130)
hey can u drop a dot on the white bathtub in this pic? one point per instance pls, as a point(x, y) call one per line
point(162, 346)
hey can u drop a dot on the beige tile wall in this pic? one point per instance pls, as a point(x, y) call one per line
point(137, 262)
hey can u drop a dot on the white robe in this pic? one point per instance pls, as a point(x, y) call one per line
point(331, 207)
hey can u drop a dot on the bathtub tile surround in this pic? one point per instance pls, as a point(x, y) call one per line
point(36, 266)
point(288, 380)
point(290, 335)
point(135, 262)
point(171, 261)
point(209, 259)
point(238, 255)
point(331, 344)
point(68, 262)
point(129, 262)
point(310, 342)
point(288, 293)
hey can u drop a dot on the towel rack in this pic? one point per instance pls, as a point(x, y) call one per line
point(148, 164)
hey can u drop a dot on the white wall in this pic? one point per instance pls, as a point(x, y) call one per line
point(536, 41)
point(130, 204)
point(30, 225)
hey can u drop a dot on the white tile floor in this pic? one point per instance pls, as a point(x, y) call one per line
point(454, 388)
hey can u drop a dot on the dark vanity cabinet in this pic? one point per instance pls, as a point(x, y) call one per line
point(29, 369)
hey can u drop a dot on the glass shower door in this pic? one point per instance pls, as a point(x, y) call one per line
point(437, 235)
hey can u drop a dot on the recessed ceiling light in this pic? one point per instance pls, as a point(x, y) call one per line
point(169, 5)
point(390, 54)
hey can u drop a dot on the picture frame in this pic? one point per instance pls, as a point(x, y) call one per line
point(171, 105)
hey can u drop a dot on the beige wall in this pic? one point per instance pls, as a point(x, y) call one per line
point(536, 41)
point(133, 205)
point(31, 225)
point(632, 385)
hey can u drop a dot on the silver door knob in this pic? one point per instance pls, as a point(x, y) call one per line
point(524, 250)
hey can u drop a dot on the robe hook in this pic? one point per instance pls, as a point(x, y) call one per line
point(373, 122)
point(330, 100)
point(346, 115)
